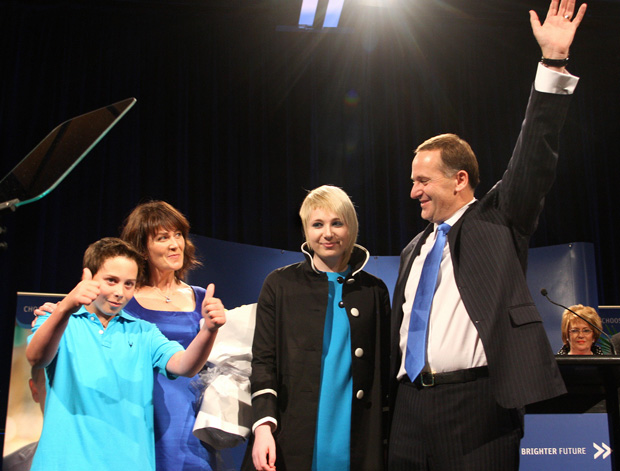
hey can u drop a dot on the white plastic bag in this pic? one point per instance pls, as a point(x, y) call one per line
point(224, 418)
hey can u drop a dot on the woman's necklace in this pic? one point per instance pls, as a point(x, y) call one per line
point(167, 296)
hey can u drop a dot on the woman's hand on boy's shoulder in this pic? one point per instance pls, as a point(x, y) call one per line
point(213, 310)
point(43, 310)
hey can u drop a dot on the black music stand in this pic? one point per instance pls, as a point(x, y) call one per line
point(56, 155)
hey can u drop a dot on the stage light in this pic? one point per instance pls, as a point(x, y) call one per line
point(308, 13)
point(332, 14)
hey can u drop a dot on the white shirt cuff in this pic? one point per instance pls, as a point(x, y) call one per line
point(550, 81)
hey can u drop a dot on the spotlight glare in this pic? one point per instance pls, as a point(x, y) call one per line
point(308, 11)
point(332, 15)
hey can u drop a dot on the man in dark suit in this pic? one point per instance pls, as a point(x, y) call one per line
point(486, 354)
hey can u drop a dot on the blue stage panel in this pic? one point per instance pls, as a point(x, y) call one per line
point(560, 442)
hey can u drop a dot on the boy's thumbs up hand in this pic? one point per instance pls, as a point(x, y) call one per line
point(84, 293)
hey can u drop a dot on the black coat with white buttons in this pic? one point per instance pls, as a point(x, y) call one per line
point(286, 364)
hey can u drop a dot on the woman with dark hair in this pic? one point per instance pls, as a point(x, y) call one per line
point(161, 233)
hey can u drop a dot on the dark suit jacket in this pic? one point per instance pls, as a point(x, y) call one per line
point(489, 247)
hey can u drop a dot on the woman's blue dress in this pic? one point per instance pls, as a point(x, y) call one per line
point(176, 448)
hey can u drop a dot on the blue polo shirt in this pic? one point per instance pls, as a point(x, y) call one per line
point(99, 405)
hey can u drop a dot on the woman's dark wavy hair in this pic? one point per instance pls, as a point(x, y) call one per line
point(146, 220)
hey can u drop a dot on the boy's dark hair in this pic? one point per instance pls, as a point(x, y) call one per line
point(109, 247)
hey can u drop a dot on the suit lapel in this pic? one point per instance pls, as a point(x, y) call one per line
point(405, 268)
point(454, 235)
point(416, 251)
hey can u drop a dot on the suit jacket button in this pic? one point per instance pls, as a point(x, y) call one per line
point(359, 352)
point(359, 394)
point(355, 312)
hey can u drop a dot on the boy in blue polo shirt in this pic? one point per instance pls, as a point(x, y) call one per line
point(99, 362)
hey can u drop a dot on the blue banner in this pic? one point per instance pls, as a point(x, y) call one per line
point(610, 315)
point(566, 441)
point(28, 302)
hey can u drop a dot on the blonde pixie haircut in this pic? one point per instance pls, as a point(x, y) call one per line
point(586, 312)
point(333, 199)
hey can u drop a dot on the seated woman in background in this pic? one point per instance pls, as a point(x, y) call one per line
point(578, 336)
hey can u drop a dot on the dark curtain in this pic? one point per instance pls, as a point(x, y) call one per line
point(236, 118)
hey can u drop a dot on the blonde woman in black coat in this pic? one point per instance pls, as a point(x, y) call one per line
point(318, 383)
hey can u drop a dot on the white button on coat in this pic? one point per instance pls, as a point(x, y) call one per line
point(355, 312)
point(359, 394)
point(359, 352)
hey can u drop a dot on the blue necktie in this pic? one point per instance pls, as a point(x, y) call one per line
point(415, 356)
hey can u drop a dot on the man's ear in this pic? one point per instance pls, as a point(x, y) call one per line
point(462, 181)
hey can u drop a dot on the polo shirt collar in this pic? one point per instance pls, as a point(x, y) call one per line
point(123, 314)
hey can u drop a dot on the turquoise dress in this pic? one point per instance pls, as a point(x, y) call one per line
point(333, 430)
